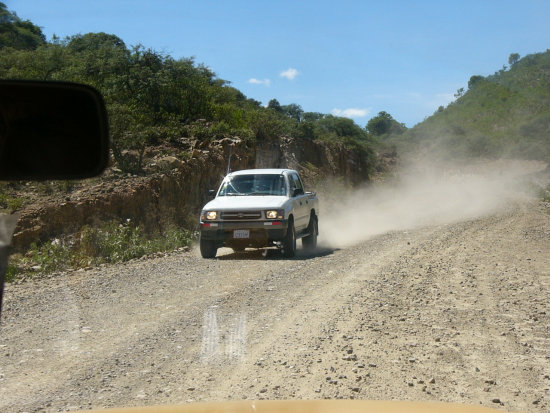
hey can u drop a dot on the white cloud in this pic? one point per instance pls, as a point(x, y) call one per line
point(254, 81)
point(351, 112)
point(290, 73)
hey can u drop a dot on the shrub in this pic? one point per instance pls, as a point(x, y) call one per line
point(110, 243)
point(11, 204)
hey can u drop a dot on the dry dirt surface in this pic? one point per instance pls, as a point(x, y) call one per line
point(456, 312)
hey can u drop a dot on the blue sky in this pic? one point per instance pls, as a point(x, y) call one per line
point(351, 58)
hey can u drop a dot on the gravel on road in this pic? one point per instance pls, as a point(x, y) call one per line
point(457, 313)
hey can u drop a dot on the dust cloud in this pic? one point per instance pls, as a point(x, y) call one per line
point(420, 195)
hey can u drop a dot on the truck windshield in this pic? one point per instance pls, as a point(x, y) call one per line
point(253, 185)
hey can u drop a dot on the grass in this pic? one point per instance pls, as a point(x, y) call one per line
point(56, 187)
point(110, 243)
point(10, 204)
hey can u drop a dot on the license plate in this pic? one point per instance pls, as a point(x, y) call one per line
point(241, 233)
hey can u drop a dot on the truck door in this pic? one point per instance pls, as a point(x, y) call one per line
point(301, 210)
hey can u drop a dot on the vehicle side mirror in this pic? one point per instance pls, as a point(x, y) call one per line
point(48, 130)
point(51, 130)
point(211, 193)
point(297, 191)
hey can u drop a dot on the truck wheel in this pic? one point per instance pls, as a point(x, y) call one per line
point(310, 242)
point(208, 248)
point(289, 242)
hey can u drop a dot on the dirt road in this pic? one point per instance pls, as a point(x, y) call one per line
point(457, 312)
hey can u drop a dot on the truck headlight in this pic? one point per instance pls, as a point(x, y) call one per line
point(274, 214)
point(211, 215)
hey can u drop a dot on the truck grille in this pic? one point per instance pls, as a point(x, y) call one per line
point(240, 215)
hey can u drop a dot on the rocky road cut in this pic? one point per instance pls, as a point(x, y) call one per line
point(456, 312)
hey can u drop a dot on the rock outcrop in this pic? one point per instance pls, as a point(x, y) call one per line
point(329, 159)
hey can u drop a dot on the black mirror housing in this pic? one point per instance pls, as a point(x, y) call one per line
point(297, 191)
point(51, 130)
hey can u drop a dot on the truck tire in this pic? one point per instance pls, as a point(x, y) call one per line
point(289, 241)
point(310, 242)
point(208, 248)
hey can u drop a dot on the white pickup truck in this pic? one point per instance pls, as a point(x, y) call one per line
point(260, 208)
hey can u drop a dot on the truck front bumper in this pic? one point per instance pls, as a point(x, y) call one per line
point(230, 233)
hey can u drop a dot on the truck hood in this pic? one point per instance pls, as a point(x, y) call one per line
point(246, 202)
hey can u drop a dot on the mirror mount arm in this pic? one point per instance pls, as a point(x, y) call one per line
point(7, 226)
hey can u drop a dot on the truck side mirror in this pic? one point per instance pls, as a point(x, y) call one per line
point(297, 191)
point(211, 193)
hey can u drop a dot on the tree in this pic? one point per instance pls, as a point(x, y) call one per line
point(383, 124)
point(459, 93)
point(98, 59)
point(293, 111)
point(473, 80)
point(313, 116)
point(340, 127)
point(513, 59)
point(17, 33)
point(305, 130)
point(94, 42)
point(275, 105)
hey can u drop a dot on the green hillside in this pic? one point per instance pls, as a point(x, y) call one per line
point(505, 114)
point(154, 99)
